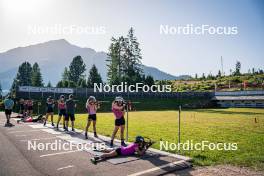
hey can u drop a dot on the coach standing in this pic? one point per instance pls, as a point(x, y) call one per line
point(9, 104)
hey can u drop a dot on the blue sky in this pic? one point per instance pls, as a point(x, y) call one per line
point(175, 54)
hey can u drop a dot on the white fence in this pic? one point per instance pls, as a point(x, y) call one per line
point(240, 93)
point(45, 89)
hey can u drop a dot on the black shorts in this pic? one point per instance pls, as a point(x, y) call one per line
point(69, 116)
point(92, 117)
point(62, 112)
point(8, 111)
point(22, 107)
point(30, 108)
point(119, 122)
point(118, 151)
point(50, 110)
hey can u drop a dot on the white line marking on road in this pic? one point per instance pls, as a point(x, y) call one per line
point(20, 135)
point(65, 167)
point(157, 168)
point(22, 131)
point(51, 131)
point(37, 139)
point(60, 153)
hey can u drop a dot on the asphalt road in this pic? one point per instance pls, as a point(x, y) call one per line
point(17, 159)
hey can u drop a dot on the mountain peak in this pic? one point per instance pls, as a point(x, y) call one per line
point(58, 41)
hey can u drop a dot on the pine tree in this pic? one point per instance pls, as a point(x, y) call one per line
point(60, 84)
point(237, 69)
point(149, 80)
point(65, 74)
point(65, 83)
point(71, 84)
point(114, 59)
point(219, 74)
point(131, 59)
point(23, 77)
point(49, 84)
point(65, 79)
point(24, 73)
point(1, 91)
point(253, 71)
point(124, 59)
point(76, 69)
point(203, 76)
point(36, 77)
point(82, 83)
point(134, 52)
point(94, 77)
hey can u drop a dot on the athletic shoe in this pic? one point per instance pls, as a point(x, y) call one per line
point(123, 144)
point(94, 161)
point(9, 124)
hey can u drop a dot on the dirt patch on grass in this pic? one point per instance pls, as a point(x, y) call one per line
point(220, 170)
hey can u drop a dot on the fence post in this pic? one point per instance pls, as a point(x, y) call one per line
point(179, 129)
point(127, 123)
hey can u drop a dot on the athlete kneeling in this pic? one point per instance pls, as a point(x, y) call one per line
point(138, 147)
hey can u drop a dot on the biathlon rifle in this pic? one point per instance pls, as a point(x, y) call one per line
point(147, 143)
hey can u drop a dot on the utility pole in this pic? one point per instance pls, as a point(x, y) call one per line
point(179, 129)
point(222, 65)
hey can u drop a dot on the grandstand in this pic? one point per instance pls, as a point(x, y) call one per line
point(240, 99)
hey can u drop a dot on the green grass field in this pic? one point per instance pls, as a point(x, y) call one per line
point(213, 125)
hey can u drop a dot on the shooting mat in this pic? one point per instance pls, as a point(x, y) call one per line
point(124, 159)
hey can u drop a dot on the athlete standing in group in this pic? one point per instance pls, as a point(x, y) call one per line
point(62, 111)
point(70, 110)
point(9, 104)
point(25, 108)
point(91, 106)
point(118, 108)
point(50, 110)
point(30, 107)
point(22, 106)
